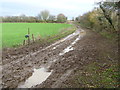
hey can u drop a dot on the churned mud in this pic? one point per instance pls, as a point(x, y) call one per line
point(22, 69)
point(51, 66)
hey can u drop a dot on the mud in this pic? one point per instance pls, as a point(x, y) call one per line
point(61, 60)
point(18, 68)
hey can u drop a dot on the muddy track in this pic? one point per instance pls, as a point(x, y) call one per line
point(18, 68)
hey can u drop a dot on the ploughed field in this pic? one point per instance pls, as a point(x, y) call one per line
point(14, 33)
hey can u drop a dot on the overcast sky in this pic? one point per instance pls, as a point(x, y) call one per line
point(71, 8)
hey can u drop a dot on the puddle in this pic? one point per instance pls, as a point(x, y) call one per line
point(54, 47)
point(38, 76)
point(69, 48)
point(78, 38)
point(67, 38)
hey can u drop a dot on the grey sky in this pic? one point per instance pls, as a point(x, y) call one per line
point(71, 8)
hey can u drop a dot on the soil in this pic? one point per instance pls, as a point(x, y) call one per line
point(18, 63)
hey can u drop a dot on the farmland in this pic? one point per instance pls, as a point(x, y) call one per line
point(59, 44)
point(14, 33)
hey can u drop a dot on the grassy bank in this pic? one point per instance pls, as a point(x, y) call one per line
point(109, 35)
point(52, 38)
point(96, 75)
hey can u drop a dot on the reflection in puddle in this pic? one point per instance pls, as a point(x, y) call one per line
point(69, 48)
point(67, 38)
point(78, 38)
point(37, 77)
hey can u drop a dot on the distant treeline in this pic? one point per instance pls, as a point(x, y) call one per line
point(43, 16)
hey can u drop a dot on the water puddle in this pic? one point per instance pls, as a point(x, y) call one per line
point(37, 77)
point(78, 38)
point(70, 47)
point(54, 48)
point(67, 38)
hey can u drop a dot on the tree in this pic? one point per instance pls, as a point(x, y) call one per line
point(39, 17)
point(109, 9)
point(23, 17)
point(44, 15)
point(52, 18)
point(61, 18)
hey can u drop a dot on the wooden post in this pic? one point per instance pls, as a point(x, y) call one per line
point(24, 42)
point(33, 38)
point(29, 36)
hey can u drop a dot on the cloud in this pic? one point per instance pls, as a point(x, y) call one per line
point(51, 3)
point(69, 7)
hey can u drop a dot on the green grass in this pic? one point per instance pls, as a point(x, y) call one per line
point(14, 33)
point(95, 76)
point(109, 35)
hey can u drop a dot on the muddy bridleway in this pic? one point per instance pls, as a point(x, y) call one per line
point(43, 68)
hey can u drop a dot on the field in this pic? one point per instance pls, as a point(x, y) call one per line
point(14, 33)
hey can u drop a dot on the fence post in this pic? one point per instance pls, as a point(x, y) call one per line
point(33, 38)
point(29, 36)
point(24, 42)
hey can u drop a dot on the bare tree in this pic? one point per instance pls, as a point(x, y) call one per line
point(39, 17)
point(44, 15)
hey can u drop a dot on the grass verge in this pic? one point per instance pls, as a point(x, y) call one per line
point(98, 76)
